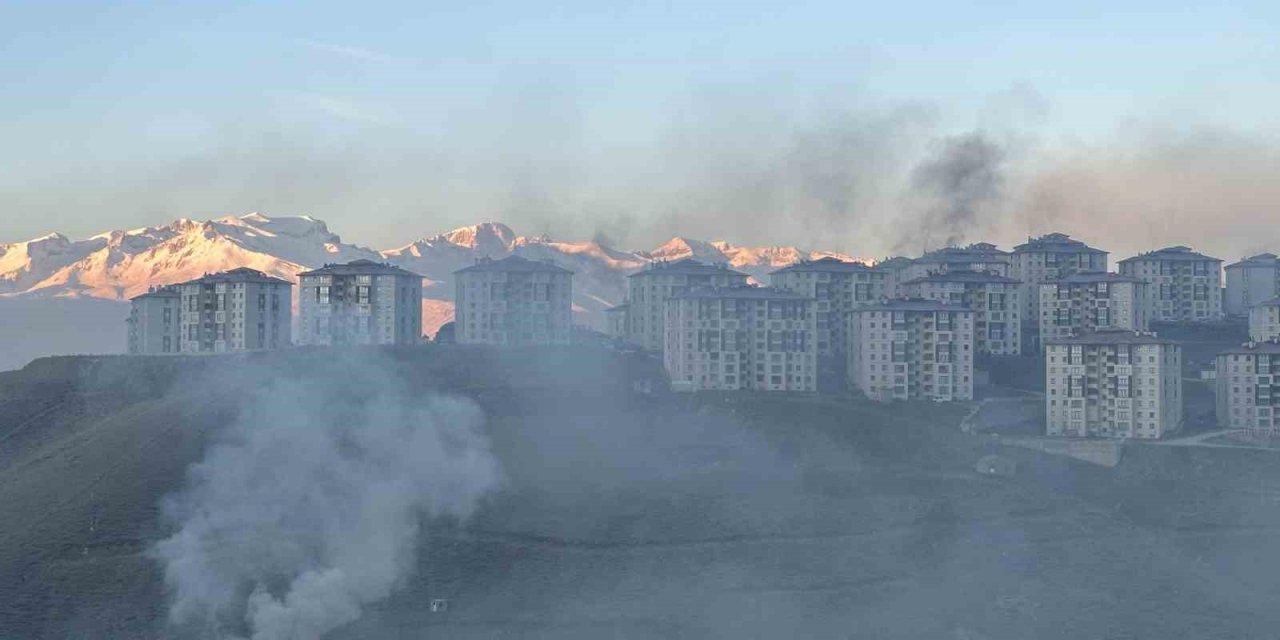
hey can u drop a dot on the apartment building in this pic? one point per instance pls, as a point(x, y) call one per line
point(1049, 256)
point(1086, 301)
point(895, 270)
point(1248, 387)
point(911, 349)
point(740, 337)
point(1182, 285)
point(993, 298)
point(616, 321)
point(836, 286)
point(980, 257)
point(513, 301)
point(1113, 383)
point(1251, 281)
point(238, 310)
point(154, 322)
point(1264, 321)
point(359, 303)
point(648, 290)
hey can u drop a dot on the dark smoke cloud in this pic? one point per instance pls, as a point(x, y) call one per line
point(958, 187)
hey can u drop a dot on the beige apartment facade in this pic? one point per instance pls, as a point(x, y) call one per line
point(359, 303)
point(1182, 285)
point(1086, 301)
point(1247, 387)
point(649, 289)
point(154, 325)
point(1050, 256)
point(907, 349)
point(513, 301)
point(238, 310)
point(993, 298)
point(837, 287)
point(1250, 282)
point(1264, 321)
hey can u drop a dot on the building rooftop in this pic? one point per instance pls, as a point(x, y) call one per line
point(1055, 243)
point(740, 292)
point(1250, 348)
point(982, 251)
point(828, 264)
point(1260, 260)
point(1090, 277)
point(1171, 253)
point(965, 275)
point(1274, 302)
point(513, 263)
point(912, 304)
point(684, 266)
point(360, 267)
point(242, 274)
point(164, 291)
point(896, 262)
point(1113, 335)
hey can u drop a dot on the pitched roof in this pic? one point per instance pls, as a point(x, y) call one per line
point(1113, 335)
point(1090, 277)
point(964, 275)
point(828, 264)
point(981, 252)
point(513, 263)
point(165, 291)
point(1055, 243)
point(241, 274)
point(739, 293)
point(360, 267)
point(1171, 253)
point(685, 266)
point(912, 304)
point(1260, 260)
point(1250, 348)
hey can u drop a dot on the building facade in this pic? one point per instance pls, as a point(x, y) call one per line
point(1090, 300)
point(1251, 281)
point(154, 323)
point(993, 298)
point(1113, 383)
point(1049, 256)
point(911, 349)
point(740, 337)
point(1182, 285)
point(982, 257)
point(1247, 387)
point(615, 321)
point(1264, 321)
point(359, 303)
point(513, 301)
point(648, 290)
point(238, 310)
point(837, 287)
point(895, 270)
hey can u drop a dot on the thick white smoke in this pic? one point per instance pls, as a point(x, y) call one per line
point(310, 508)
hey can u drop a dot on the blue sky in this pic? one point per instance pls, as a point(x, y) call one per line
point(97, 94)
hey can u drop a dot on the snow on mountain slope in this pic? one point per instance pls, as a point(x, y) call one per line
point(120, 264)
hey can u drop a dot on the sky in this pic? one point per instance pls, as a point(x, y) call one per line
point(750, 121)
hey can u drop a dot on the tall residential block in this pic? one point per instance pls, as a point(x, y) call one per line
point(513, 301)
point(1050, 256)
point(981, 257)
point(837, 287)
point(1248, 387)
point(238, 310)
point(1251, 281)
point(911, 349)
point(993, 298)
point(359, 303)
point(648, 290)
point(896, 272)
point(1182, 285)
point(615, 321)
point(154, 323)
point(740, 337)
point(1264, 321)
point(1113, 383)
point(1090, 300)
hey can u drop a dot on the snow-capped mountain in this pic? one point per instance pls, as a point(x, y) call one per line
point(117, 265)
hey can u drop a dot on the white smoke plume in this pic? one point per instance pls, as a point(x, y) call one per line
point(309, 508)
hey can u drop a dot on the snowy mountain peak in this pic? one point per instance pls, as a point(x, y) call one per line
point(486, 237)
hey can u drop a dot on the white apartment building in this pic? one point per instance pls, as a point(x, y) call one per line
point(911, 349)
point(616, 321)
point(836, 286)
point(1251, 281)
point(648, 290)
point(1086, 301)
point(993, 298)
point(1264, 321)
point(1113, 383)
point(513, 301)
point(741, 337)
point(237, 310)
point(1248, 387)
point(980, 257)
point(359, 303)
point(895, 270)
point(1182, 285)
point(1050, 256)
point(154, 323)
